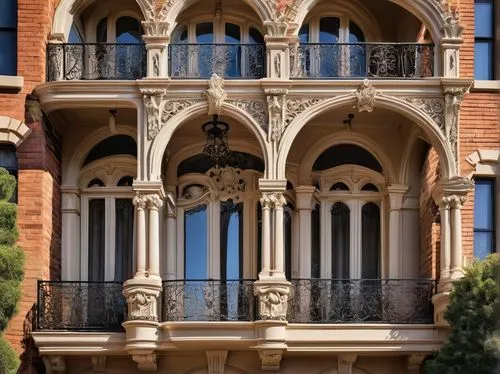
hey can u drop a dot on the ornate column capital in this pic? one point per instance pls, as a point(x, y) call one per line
point(452, 27)
point(448, 190)
point(154, 202)
point(273, 299)
point(140, 201)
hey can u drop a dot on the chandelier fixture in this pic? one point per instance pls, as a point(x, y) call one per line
point(216, 148)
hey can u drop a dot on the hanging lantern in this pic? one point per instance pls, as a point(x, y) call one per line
point(217, 148)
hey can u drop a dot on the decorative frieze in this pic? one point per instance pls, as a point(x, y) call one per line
point(215, 94)
point(256, 108)
point(296, 106)
point(365, 96)
point(433, 107)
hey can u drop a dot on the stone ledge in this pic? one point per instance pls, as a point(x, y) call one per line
point(11, 82)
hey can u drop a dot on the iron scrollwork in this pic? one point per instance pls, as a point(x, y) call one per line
point(361, 301)
point(359, 60)
point(81, 306)
point(208, 300)
point(77, 61)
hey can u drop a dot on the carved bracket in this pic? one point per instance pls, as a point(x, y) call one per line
point(142, 299)
point(276, 107)
point(365, 97)
point(215, 94)
point(54, 364)
point(98, 364)
point(270, 359)
point(145, 362)
point(273, 299)
point(345, 362)
point(453, 101)
point(415, 361)
point(216, 361)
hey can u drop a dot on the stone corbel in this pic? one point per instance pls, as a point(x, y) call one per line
point(440, 302)
point(273, 299)
point(98, 364)
point(142, 298)
point(145, 362)
point(345, 362)
point(215, 94)
point(276, 105)
point(414, 362)
point(216, 361)
point(54, 364)
point(270, 359)
point(365, 96)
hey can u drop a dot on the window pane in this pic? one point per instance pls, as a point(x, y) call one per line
point(8, 15)
point(370, 223)
point(304, 34)
point(483, 59)
point(340, 241)
point(8, 159)
point(255, 37)
point(74, 35)
point(483, 18)
point(124, 239)
point(204, 32)
point(8, 52)
point(97, 235)
point(233, 34)
point(483, 244)
point(329, 30)
point(484, 205)
point(288, 244)
point(232, 53)
point(315, 232)
point(231, 240)
point(355, 33)
point(195, 243)
point(128, 30)
point(180, 35)
point(102, 31)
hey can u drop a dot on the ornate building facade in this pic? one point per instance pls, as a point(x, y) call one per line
point(239, 186)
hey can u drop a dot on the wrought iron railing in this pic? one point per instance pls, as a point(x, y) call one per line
point(239, 61)
point(395, 301)
point(80, 306)
point(208, 300)
point(360, 60)
point(71, 61)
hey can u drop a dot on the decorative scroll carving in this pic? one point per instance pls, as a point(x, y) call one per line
point(141, 306)
point(283, 13)
point(255, 107)
point(216, 361)
point(345, 362)
point(296, 106)
point(145, 362)
point(276, 103)
point(227, 180)
point(270, 359)
point(273, 300)
point(452, 28)
point(365, 96)
point(453, 101)
point(215, 94)
point(433, 107)
point(159, 110)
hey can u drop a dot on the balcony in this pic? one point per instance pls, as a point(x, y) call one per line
point(362, 60)
point(80, 306)
point(231, 61)
point(95, 61)
point(362, 301)
point(208, 300)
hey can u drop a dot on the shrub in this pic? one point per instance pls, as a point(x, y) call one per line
point(473, 314)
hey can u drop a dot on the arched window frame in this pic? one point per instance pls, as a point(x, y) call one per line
point(110, 170)
point(355, 177)
point(112, 18)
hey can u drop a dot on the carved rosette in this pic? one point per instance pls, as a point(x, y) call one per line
point(215, 94)
point(365, 96)
point(227, 180)
point(273, 300)
point(256, 108)
point(296, 106)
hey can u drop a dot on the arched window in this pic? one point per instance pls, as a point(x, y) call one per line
point(370, 242)
point(229, 49)
point(332, 47)
point(340, 241)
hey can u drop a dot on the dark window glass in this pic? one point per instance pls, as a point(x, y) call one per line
point(339, 186)
point(114, 145)
point(369, 187)
point(124, 239)
point(304, 34)
point(205, 32)
point(128, 30)
point(206, 56)
point(97, 232)
point(125, 181)
point(355, 33)
point(346, 154)
point(102, 31)
point(484, 39)
point(315, 232)
point(370, 238)
point(231, 240)
point(329, 28)
point(232, 52)
point(8, 161)
point(287, 216)
point(8, 37)
point(233, 33)
point(195, 243)
point(96, 182)
point(254, 36)
point(340, 241)
point(484, 218)
point(74, 35)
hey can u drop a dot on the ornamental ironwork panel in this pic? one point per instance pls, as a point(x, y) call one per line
point(237, 61)
point(208, 300)
point(362, 60)
point(72, 61)
point(361, 301)
point(82, 306)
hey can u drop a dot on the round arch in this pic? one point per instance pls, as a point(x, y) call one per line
point(431, 13)
point(421, 119)
point(159, 145)
point(72, 171)
point(346, 137)
point(13, 130)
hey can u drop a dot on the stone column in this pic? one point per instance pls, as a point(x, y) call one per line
point(395, 195)
point(445, 247)
point(456, 237)
point(154, 204)
point(279, 236)
point(265, 202)
point(304, 205)
point(141, 245)
point(171, 243)
point(157, 41)
point(70, 269)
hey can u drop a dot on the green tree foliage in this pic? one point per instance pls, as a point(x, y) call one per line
point(11, 268)
point(473, 314)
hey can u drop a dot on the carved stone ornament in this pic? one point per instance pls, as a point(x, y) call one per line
point(98, 364)
point(415, 361)
point(433, 107)
point(365, 96)
point(142, 299)
point(145, 362)
point(216, 361)
point(273, 301)
point(215, 94)
point(270, 359)
point(276, 102)
point(228, 181)
point(154, 201)
point(345, 362)
point(159, 110)
point(453, 101)
point(54, 364)
point(157, 10)
point(256, 108)
point(294, 107)
point(283, 13)
point(156, 65)
point(452, 28)
point(155, 28)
